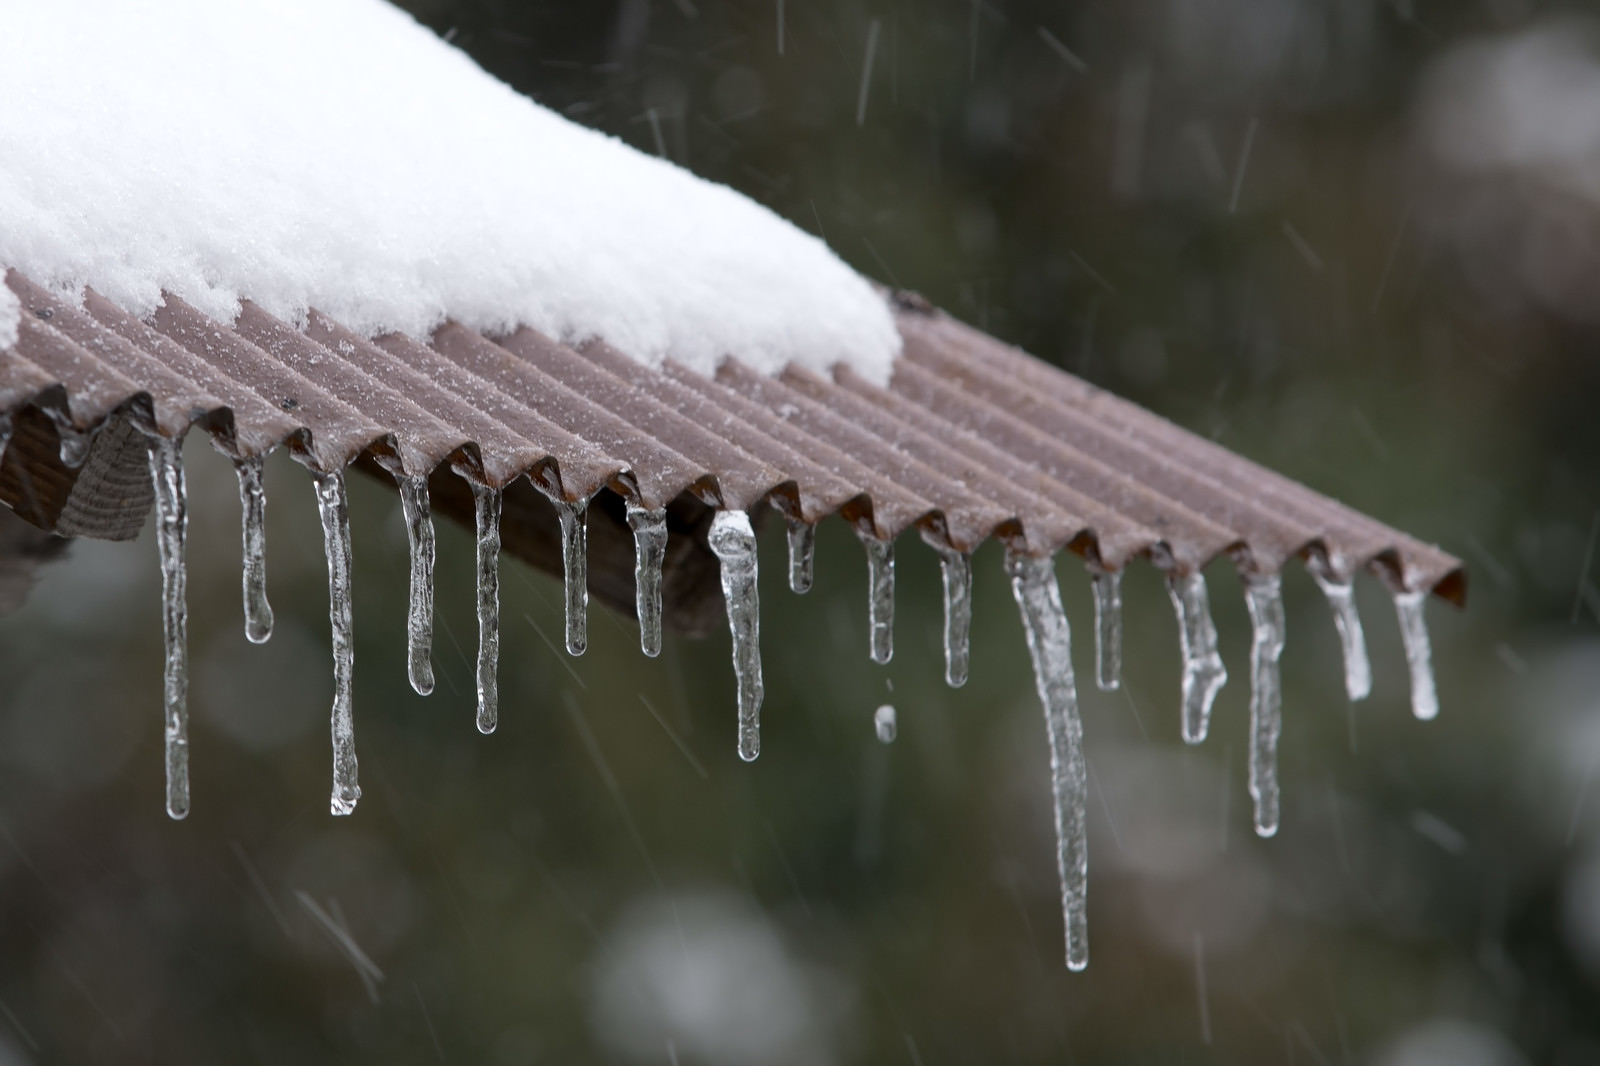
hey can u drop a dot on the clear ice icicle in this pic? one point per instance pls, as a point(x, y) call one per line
point(880, 596)
point(1419, 653)
point(253, 503)
point(802, 554)
point(1107, 628)
point(649, 552)
point(883, 721)
point(419, 611)
point(172, 520)
point(1352, 639)
point(1264, 596)
point(734, 543)
point(955, 572)
point(334, 509)
point(486, 506)
point(575, 567)
point(1033, 583)
point(1203, 672)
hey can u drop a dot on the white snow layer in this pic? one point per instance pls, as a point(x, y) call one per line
point(335, 154)
point(10, 317)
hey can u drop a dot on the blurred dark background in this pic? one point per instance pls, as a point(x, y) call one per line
point(1356, 240)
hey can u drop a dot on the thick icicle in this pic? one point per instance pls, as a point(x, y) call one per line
point(419, 612)
point(1342, 601)
point(734, 543)
point(802, 554)
point(253, 502)
point(486, 509)
point(1033, 583)
point(649, 552)
point(1107, 628)
point(1264, 595)
point(955, 568)
point(334, 509)
point(1419, 653)
point(880, 596)
point(575, 566)
point(1203, 672)
point(172, 520)
point(883, 721)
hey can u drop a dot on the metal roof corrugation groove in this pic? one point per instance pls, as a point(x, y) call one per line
point(970, 439)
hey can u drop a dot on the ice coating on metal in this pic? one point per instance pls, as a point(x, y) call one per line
point(419, 609)
point(1108, 629)
point(486, 507)
point(649, 552)
point(334, 509)
point(1419, 653)
point(172, 520)
point(884, 724)
point(1033, 583)
point(802, 554)
point(575, 568)
point(880, 596)
point(1203, 672)
point(734, 543)
point(1264, 597)
point(253, 507)
point(955, 573)
point(1352, 638)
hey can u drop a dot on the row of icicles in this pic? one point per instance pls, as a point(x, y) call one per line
point(1033, 583)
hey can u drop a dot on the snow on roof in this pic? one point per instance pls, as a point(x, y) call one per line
point(337, 155)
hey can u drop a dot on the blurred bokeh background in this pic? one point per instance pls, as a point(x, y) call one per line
point(1358, 240)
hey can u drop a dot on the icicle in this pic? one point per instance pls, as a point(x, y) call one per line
point(880, 595)
point(253, 502)
point(883, 720)
point(1203, 672)
point(734, 543)
point(334, 509)
point(955, 568)
point(1342, 600)
point(166, 475)
point(802, 554)
point(5, 432)
point(575, 565)
point(1107, 628)
point(1264, 596)
point(1419, 653)
point(1033, 583)
point(486, 509)
point(419, 612)
point(649, 551)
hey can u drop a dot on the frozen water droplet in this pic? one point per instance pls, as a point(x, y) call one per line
point(486, 511)
point(955, 571)
point(734, 543)
point(575, 567)
point(1352, 639)
point(172, 520)
point(253, 502)
point(1203, 672)
point(649, 552)
point(334, 510)
point(880, 596)
point(1108, 628)
point(1419, 653)
point(802, 554)
point(883, 720)
point(1033, 583)
point(1264, 596)
point(419, 611)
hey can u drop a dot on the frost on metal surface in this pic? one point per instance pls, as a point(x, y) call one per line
point(486, 508)
point(649, 552)
point(1203, 672)
point(1033, 583)
point(1341, 597)
point(880, 596)
point(1419, 653)
point(955, 573)
point(253, 506)
point(575, 570)
point(802, 554)
point(334, 509)
point(172, 520)
point(884, 724)
point(734, 542)
point(1107, 628)
point(419, 607)
point(1264, 596)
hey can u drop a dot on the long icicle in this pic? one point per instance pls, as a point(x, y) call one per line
point(575, 566)
point(486, 506)
point(649, 552)
point(1419, 653)
point(253, 504)
point(1107, 628)
point(734, 543)
point(1033, 583)
point(172, 520)
point(1264, 596)
point(802, 554)
point(955, 572)
point(1203, 672)
point(334, 509)
point(419, 611)
point(880, 595)
point(1352, 638)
